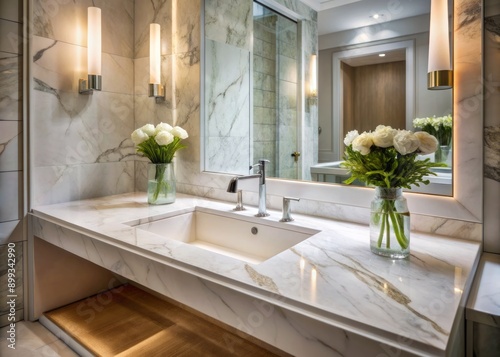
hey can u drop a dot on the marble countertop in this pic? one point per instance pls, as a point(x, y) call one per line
point(331, 276)
point(484, 301)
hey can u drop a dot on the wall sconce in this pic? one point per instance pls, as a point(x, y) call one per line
point(440, 74)
point(156, 89)
point(313, 80)
point(94, 80)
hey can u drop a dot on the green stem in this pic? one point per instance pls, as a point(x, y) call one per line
point(381, 233)
point(159, 175)
point(387, 232)
point(398, 230)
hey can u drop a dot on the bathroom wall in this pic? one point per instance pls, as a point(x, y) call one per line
point(80, 146)
point(11, 154)
point(492, 126)
point(180, 72)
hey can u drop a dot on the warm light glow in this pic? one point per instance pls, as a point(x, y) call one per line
point(313, 284)
point(314, 76)
point(439, 43)
point(381, 55)
point(458, 280)
point(94, 41)
point(375, 16)
point(154, 54)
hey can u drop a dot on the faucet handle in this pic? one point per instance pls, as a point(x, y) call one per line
point(239, 203)
point(287, 217)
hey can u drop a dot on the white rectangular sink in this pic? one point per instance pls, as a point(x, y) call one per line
point(249, 239)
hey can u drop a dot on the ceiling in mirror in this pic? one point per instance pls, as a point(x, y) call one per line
point(341, 15)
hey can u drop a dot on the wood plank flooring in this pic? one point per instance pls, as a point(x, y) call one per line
point(128, 321)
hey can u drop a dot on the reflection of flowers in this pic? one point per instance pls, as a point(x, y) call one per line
point(440, 127)
point(159, 145)
point(391, 163)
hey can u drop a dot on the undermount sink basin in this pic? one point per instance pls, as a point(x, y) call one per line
point(249, 239)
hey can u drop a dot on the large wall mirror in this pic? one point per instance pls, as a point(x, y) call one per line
point(466, 201)
point(254, 102)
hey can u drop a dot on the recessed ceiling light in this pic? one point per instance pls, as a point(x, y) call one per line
point(381, 55)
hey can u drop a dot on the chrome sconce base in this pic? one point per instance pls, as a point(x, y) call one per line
point(438, 80)
point(312, 99)
point(157, 91)
point(88, 86)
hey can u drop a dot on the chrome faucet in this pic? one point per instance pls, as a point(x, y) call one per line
point(261, 175)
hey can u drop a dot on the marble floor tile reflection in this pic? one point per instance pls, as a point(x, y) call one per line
point(32, 339)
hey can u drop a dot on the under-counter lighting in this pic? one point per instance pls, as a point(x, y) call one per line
point(381, 55)
point(156, 89)
point(440, 74)
point(94, 80)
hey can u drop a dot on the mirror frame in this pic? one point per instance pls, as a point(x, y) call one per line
point(466, 202)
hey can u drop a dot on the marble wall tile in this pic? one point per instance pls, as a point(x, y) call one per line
point(10, 40)
point(147, 12)
point(11, 145)
point(227, 89)
point(66, 21)
point(264, 49)
point(11, 10)
point(218, 155)
point(60, 65)
point(491, 129)
point(229, 22)
point(11, 185)
point(56, 184)
point(77, 129)
point(10, 88)
point(11, 231)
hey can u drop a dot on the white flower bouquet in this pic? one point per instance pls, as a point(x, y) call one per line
point(440, 127)
point(159, 144)
point(387, 158)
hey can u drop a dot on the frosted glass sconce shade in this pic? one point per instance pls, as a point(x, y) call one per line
point(440, 74)
point(94, 53)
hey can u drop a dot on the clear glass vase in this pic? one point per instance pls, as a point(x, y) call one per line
point(161, 183)
point(390, 223)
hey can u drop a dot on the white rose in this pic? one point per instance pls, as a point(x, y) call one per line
point(138, 136)
point(164, 138)
point(405, 142)
point(363, 143)
point(149, 129)
point(428, 142)
point(383, 136)
point(163, 127)
point(350, 136)
point(179, 132)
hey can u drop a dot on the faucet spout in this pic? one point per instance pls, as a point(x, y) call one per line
point(261, 175)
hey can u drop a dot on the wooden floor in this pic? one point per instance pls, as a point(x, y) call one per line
point(128, 321)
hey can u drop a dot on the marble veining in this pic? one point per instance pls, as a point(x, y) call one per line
point(492, 152)
point(332, 274)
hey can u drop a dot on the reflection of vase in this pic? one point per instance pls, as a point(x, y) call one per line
point(443, 154)
point(161, 183)
point(390, 223)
